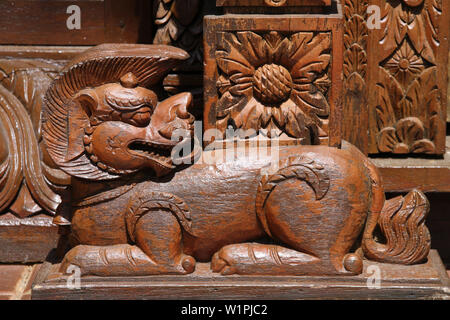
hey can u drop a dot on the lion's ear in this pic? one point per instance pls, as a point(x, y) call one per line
point(88, 101)
point(77, 121)
point(81, 108)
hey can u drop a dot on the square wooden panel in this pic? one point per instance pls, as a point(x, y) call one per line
point(271, 3)
point(281, 72)
point(407, 77)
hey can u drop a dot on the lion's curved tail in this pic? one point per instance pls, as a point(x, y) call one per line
point(401, 221)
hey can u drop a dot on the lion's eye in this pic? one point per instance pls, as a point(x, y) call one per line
point(139, 118)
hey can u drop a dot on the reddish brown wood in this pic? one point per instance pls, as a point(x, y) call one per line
point(28, 183)
point(11, 281)
point(44, 22)
point(355, 120)
point(271, 3)
point(301, 98)
point(424, 281)
point(92, 115)
point(428, 175)
point(407, 77)
point(136, 211)
point(58, 53)
point(127, 21)
point(179, 23)
point(24, 179)
point(26, 240)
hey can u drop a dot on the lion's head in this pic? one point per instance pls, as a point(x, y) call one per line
point(101, 119)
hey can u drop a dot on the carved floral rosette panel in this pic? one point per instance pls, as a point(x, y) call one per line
point(408, 83)
point(272, 83)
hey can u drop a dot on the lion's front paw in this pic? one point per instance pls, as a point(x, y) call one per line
point(121, 260)
point(114, 260)
point(232, 259)
point(75, 257)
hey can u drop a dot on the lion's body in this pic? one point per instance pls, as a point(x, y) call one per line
point(222, 201)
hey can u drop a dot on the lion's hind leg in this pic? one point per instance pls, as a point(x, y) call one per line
point(315, 229)
point(255, 258)
point(269, 259)
point(159, 235)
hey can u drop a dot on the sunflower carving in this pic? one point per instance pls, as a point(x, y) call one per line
point(274, 84)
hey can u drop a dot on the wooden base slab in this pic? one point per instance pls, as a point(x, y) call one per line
point(425, 281)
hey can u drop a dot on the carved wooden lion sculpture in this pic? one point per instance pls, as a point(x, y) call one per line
point(134, 212)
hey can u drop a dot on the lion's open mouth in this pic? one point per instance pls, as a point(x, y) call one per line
point(149, 149)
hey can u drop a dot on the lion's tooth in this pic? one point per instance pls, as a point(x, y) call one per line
point(101, 165)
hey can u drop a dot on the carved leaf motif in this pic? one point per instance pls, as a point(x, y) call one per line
point(355, 7)
point(11, 173)
point(410, 44)
point(28, 80)
point(387, 139)
point(418, 35)
point(405, 65)
point(434, 13)
point(409, 130)
point(308, 55)
point(399, 21)
point(354, 70)
point(423, 146)
point(389, 93)
point(392, 31)
point(422, 97)
point(355, 61)
point(355, 32)
point(407, 136)
point(228, 103)
point(411, 108)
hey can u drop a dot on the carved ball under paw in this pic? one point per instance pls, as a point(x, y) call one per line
point(188, 264)
point(353, 263)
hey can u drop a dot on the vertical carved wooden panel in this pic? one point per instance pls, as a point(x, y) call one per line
point(27, 181)
point(408, 78)
point(355, 111)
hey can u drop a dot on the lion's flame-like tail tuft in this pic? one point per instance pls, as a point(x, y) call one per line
point(402, 222)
